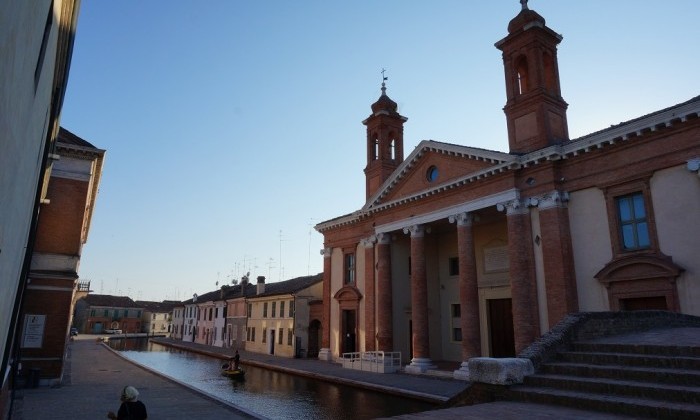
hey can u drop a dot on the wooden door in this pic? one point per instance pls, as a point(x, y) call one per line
point(501, 335)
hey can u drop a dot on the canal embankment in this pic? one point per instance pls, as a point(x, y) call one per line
point(433, 389)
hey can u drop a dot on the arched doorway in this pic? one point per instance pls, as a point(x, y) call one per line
point(349, 301)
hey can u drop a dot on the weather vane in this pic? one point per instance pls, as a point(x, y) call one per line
point(384, 79)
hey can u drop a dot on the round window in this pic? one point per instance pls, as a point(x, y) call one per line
point(432, 174)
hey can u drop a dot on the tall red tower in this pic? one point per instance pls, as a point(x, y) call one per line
point(384, 141)
point(535, 110)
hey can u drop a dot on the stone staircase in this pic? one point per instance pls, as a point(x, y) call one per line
point(640, 380)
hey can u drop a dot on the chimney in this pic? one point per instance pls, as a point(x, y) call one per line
point(261, 284)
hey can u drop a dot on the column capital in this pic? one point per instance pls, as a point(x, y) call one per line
point(512, 207)
point(463, 219)
point(416, 231)
point(383, 238)
point(369, 242)
point(326, 252)
point(550, 200)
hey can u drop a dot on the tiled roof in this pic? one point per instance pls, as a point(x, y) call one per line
point(110, 301)
point(164, 306)
point(291, 286)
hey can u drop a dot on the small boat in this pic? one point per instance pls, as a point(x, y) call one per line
point(233, 373)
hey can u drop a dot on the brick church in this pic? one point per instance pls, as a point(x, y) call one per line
point(460, 252)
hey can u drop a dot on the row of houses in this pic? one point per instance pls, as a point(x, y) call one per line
point(282, 318)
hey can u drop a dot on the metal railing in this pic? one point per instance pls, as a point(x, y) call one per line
point(372, 361)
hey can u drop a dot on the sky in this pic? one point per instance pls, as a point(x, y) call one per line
point(233, 127)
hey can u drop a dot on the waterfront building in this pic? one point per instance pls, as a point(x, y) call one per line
point(237, 314)
point(64, 224)
point(100, 314)
point(279, 317)
point(178, 323)
point(189, 319)
point(157, 317)
point(37, 47)
point(460, 252)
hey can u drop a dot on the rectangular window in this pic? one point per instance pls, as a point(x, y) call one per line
point(250, 309)
point(106, 313)
point(280, 335)
point(281, 309)
point(456, 312)
point(291, 308)
point(289, 336)
point(92, 313)
point(247, 334)
point(252, 335)
point(264, 338)
point(274, 309)
point(349, 268)
point(634, 228)
point(265, 310)
point(454, 266)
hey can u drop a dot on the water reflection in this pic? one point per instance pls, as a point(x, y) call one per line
point(266, 392)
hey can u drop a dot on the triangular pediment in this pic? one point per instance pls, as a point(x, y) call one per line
point(432, 165)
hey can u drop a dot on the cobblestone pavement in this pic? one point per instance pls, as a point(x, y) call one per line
point(95, 376)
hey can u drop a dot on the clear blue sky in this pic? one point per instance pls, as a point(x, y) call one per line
point(232, 127)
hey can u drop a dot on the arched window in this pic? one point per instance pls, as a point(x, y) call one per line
point(392, 149)
point(522, 75)
point(375, 148)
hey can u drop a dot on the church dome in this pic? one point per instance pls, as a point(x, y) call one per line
point(525, 17)
point(384, 103)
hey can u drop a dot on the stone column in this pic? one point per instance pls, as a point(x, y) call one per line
point(369, 294)
point(325, 351)
point(385, 332)
point(419, 303)
point(557, 256)
point(468, 293)
point(523, 283)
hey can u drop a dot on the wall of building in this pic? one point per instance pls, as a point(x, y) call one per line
point(590, 237)
point(24, 124)
point(675, 195)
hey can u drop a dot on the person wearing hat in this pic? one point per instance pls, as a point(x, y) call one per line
point(131, 408)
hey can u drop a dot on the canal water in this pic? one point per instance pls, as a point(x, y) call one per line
point(271, 394)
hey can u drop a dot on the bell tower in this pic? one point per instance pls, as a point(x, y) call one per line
point(384, 141)
point(535, 110)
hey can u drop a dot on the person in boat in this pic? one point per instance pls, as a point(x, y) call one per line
point(236, 361)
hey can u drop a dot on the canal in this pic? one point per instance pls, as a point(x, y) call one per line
point(268, 393)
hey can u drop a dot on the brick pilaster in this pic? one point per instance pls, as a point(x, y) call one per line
point(557, 254)
point(468, 287)
point(523, 284)
point(385, 341)
point(419, 294)
point(370, 329)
